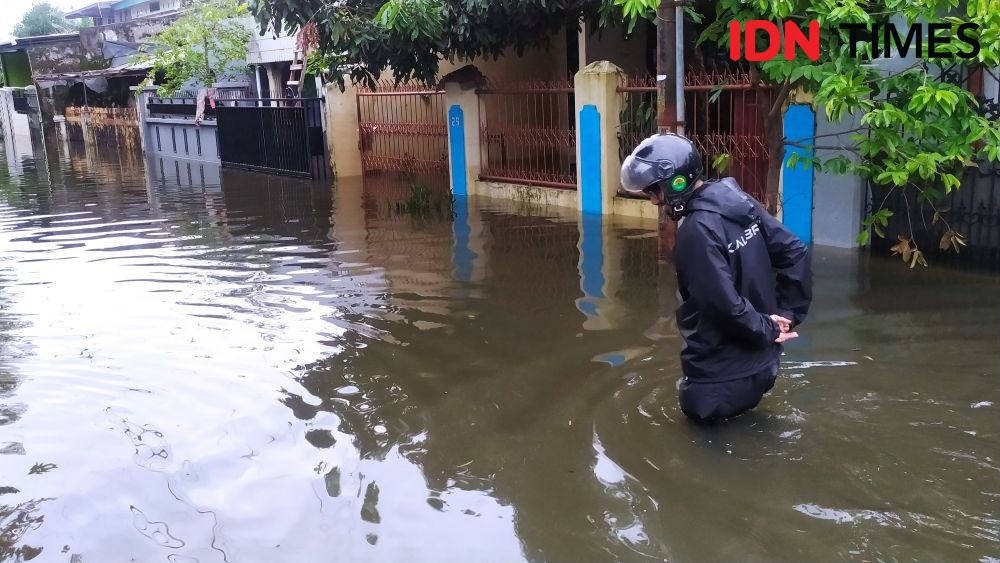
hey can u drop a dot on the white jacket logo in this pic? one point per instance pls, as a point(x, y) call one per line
point(744, 240)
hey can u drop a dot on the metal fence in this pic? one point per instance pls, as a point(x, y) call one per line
point(179, 107)
point(402, 128)
point(528, 134)
point(725, 114)
point(107, 126)
point(286, 138)
point(972, 210)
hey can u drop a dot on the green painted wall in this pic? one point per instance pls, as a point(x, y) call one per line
point(17, 71)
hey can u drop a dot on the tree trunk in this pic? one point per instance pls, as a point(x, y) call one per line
point(774, 135)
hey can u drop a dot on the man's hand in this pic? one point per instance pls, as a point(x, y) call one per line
point(786, 336)
point(784, 326)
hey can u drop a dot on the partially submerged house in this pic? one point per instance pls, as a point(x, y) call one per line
point(98, 56)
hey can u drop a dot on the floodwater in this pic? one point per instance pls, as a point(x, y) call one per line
point(205, 365)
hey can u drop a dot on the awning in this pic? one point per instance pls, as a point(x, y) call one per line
point(96, 80)
point(95, 10)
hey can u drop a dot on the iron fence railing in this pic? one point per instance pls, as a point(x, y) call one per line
point(725, 114)
point(973, 211)
point(528, 134)
point(402, 128)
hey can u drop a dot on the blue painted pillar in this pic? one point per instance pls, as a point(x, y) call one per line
point(462, 255)
point(599, 268)
point(456, 150)
point(591, 197)
point(591, 264)
point(797, 181)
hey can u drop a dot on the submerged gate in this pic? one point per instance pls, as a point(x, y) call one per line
point(282, 136)
point(402, 128)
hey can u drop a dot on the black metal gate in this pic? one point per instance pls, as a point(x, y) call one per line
point(281, 136)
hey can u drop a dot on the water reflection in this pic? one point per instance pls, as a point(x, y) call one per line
point(209, 365)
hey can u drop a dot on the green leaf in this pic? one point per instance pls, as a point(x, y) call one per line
point(721, 163)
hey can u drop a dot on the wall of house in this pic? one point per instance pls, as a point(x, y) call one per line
point(93, 38)
point(838, 200)
point(628, 51)
point(142, 10)
point(268, 48)
point(542, 63)
point(65, 55)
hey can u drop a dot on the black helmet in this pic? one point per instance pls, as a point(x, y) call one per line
point(666, 164)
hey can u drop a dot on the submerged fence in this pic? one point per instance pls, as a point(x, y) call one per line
point(402, 128)
point(724, 114)
point(115, 126)
point(528, 133)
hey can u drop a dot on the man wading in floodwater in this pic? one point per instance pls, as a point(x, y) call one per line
point(744, 279)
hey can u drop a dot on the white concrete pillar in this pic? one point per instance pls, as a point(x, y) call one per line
point(142, 110)
point(342, 134)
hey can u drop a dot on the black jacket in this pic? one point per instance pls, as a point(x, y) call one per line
point(736, 266)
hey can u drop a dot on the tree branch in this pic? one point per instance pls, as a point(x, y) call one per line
point(780, 100)
point(822, 147)
point(814, 137)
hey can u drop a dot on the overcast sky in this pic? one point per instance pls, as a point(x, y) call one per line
point(13, 10)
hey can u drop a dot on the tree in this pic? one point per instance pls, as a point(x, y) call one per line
point(412, 36)
point(206, 44)
point(45, 19)
point(917, 129)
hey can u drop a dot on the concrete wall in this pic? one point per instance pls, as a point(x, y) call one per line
point(838, 200)
point(177, 138)
point(134, 31)
point(65, 55)
point(85, 51)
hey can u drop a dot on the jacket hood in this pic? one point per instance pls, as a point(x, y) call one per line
point(725, 198)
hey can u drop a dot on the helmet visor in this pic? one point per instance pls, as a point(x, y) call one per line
point(639, 175)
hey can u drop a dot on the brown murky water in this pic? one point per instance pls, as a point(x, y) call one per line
point(207, 366)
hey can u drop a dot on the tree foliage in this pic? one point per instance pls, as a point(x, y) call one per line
point(206, 44)
point(412, 36)
point(45, 19)
point(914, 127)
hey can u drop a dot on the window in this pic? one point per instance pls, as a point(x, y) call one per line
point(154, 6)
